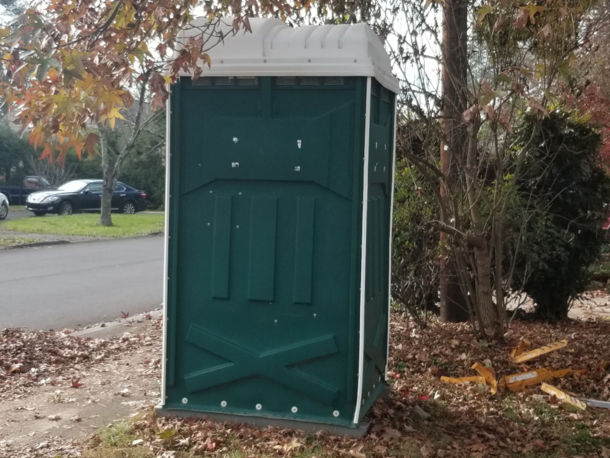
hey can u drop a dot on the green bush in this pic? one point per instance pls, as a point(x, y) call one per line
point(415, 244)
point(557, 222)
point(146, 171)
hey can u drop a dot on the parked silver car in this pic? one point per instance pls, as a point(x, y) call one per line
point(3, 206)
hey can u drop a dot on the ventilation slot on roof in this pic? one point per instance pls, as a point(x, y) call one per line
point(334, 81)
point(247, 81)
point(310, 81)
point(202, 82)
point(223, 81)
point(286, 81)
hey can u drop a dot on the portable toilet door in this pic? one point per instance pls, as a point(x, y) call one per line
point(279, 201)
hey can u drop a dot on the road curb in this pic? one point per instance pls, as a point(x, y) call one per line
point(17, 234)
point(132, 325)
point(36, 244)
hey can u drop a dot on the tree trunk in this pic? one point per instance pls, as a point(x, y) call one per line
point(498, 271)
point(453, 304)
point(107, 191)
point(455, 28)
point(485, 305)
point(108, 182)
point(492, 324)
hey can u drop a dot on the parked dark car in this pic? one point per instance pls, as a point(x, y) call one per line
point(85, 195)
point(19, 191)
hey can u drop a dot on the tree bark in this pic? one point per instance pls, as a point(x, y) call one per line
point(108, 182)
point(485, 305)
point(453, 304)
point(113, 161)
point(455, 28)
point(485, 308)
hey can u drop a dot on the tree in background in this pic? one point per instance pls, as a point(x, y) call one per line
point(595, 102)
point(135, 151)
point(516, 54)
point(145, 167)
point(116, 148)
point(588, 88)
point(14, 154)
point(70, 68)
point(56, 173)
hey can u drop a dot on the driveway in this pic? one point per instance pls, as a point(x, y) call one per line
point(54, 287)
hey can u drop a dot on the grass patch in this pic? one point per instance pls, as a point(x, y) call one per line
point(86, 225)
point(546, 412)
point(583, 441)
point(601, 269)
point(106, 452)
point(119, 434)
point(15, 241)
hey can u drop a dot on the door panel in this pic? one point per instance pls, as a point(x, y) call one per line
point(264, 254)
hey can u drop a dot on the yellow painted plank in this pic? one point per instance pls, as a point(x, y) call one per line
point(554, 391)
point(519, 349)
point(518, 382)
point(561, 373)
point(490, 378)
point(541, 351)
point(459, 380)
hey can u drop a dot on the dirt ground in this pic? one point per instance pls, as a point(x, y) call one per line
point(53, 416)
point(594, 305)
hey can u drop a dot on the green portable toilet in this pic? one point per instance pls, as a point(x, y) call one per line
point(279, 198)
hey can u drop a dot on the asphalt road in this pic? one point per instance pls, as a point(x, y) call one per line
point(66, 286)
point(13, 214)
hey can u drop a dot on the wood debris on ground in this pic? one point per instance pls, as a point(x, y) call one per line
point(529, 378)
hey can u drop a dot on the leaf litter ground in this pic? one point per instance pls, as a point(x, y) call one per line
point(422, 418)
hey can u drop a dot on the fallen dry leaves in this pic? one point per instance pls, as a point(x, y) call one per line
point(423, 417)
point(29, 358)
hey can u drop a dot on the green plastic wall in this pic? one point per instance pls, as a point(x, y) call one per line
point(264, 251)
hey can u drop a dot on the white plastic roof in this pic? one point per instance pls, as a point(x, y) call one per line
point(275, 49)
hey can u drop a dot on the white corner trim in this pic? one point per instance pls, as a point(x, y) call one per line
point(168, 116)
point(365, 204)
point(390, 244)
